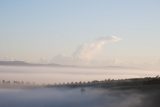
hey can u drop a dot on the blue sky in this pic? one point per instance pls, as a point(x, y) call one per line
point(32, 30)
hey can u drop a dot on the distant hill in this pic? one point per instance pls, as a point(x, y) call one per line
point(23, 63)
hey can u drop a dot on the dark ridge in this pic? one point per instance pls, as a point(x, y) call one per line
point(133, 83)
point(23, 63)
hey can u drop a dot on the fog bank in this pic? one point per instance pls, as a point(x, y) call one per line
point(52, 97)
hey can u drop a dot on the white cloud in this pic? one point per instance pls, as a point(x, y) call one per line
point(88, 51)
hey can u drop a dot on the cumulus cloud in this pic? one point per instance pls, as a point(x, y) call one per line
point(88, 51)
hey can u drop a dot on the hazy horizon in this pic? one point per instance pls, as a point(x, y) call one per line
point(51, 75)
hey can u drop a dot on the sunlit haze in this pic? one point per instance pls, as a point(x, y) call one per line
point(79, 53)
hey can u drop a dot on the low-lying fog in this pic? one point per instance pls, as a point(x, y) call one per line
point(68, 74)
point(73, 97)
point(50, 97)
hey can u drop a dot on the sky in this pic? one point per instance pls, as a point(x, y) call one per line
point(52, 31)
